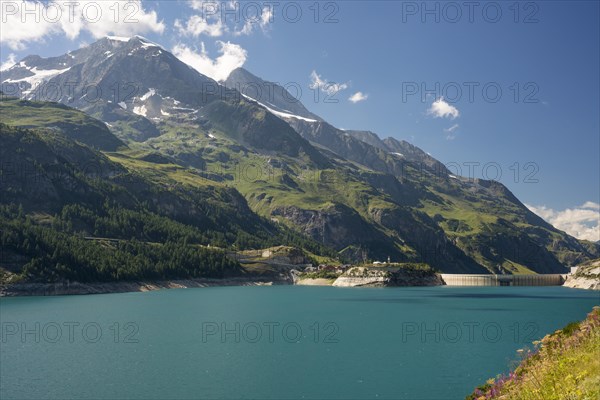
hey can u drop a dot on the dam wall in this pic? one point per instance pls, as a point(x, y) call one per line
point(503, 280)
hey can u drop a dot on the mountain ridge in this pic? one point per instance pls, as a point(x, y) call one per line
point(348, 190)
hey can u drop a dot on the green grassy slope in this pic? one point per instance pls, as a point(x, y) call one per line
point(158, 225)
point(73, 123)
point(455, 225)
point(244, 177)
point(563, 365)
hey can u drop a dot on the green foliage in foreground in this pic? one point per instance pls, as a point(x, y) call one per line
point(563, 365)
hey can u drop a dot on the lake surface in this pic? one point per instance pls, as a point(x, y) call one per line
point(282, 342)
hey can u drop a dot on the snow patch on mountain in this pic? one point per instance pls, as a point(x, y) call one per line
point(184, 109)
point(38, 77)
point(118, 38)
point(279, 113)
point(286, 115)
point(146, 44)
point(151, 92)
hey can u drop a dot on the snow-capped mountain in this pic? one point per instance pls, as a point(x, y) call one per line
point(112, 69)
point(117, 80)
point(137, 83)
point(347, 189)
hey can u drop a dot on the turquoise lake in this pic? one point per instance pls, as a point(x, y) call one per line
point(280, 342)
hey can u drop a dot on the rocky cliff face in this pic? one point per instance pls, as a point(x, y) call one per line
point(587, 276)
point(381, 277)
point(340, 227)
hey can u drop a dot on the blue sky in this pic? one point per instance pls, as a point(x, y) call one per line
point(544, 57)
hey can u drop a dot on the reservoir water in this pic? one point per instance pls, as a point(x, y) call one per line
point(281, 342)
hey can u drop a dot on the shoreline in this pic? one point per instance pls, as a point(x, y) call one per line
point(76, 288)
point(314, 282)
point(587, 276)
point(582, 282)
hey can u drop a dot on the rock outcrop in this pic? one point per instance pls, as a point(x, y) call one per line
point(382, 276)
point(587, 276)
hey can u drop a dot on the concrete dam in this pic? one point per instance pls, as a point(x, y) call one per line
point(503, 280)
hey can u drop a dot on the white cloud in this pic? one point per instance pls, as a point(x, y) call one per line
point(17, 29)
point(452, 128)
point(10, 61)
point(266, 17)
point(232, 56)
point(582, 222)
point(217, 18)
point(197, 25)
point(358, 96)
point(130, 19)
point(32, 21)
point(204, 5)
point(317, 82)
point(450, 132)
point(591, 204)
point(254, 20)
point(207, 22)
point(441, 109)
